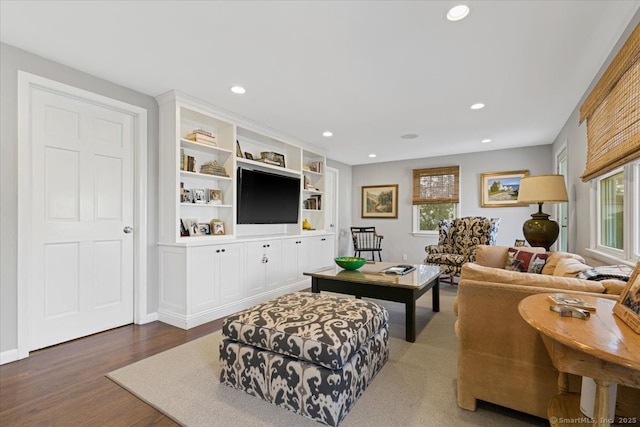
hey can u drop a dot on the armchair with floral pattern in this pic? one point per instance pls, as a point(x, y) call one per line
point(457, 241)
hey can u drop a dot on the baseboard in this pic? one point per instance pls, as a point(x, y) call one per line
point(148, 318)
point(186, 322)
point(8, 356)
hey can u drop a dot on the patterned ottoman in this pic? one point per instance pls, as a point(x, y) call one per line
point(313, 354)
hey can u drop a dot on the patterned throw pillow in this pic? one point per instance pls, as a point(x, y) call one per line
point(525, 262)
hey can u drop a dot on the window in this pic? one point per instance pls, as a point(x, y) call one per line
point(617, 204)
point(435, 197)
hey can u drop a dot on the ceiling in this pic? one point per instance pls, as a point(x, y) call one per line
point(369, 72)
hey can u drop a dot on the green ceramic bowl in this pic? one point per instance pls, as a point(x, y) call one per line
point(350, 263)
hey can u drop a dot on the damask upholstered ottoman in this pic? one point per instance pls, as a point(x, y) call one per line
point(313, 354)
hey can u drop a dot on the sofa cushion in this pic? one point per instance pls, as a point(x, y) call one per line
point(525, 261)
point(496, 256)
point(475, 272)
point(570, 267)
point(555, 257)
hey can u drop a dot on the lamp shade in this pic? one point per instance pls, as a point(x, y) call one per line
point(542, 189)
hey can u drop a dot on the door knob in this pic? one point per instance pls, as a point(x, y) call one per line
point(128, 229)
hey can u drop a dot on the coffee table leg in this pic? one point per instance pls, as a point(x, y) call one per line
point(410, 320)
point(314, 285)
point(435, 302)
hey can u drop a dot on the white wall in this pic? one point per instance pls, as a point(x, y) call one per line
point(14, 59)
point(398, 239)
point(575, 135)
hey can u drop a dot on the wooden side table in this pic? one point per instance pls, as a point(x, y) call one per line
point(602, 347)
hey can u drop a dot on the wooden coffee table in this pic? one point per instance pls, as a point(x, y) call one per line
point(367, 281)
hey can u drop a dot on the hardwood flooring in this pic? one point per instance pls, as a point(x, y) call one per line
point(65, 385)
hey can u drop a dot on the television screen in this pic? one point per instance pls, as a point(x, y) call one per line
point(267, 198)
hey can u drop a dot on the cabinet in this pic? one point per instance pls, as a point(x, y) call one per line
point(321, 250)
point(196, 177)
point(295, 258)
point(263, 265)
point(206, 275)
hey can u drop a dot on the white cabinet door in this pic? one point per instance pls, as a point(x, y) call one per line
point(228, 274)
point(295, 258)
point(320, 252)
point(262, 266)
point(273, 265)
point(200, 276)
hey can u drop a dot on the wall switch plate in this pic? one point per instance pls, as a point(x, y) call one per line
point(404, 257)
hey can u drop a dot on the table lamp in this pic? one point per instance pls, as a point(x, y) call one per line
point(540, 230)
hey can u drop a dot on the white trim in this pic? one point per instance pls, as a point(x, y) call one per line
point(25, 82)
point(556, 207)
point(8, 356)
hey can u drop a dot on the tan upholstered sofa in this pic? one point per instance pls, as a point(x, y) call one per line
point(501, 359)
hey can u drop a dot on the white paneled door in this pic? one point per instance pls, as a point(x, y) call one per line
point(81, 280)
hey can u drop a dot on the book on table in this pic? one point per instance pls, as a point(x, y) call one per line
point(571, 302)
point(400, 270)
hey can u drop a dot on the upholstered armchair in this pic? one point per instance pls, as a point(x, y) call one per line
point(457, 241)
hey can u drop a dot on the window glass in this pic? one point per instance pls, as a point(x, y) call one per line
point(612, 211)
point(432, 213)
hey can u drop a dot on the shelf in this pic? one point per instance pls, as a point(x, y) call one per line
point(204, 205)
point(312, 210)
point(203, 147)
point(188, 174)
point(310, 172)
point(313, 191)
point(267, 167)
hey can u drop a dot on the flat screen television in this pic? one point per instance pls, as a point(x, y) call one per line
point(267, 198)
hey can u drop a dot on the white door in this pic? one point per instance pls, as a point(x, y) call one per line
point(562, 208)
point(81, 278)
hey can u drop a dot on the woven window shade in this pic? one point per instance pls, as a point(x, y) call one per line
point(436, 185)
point(612, 111)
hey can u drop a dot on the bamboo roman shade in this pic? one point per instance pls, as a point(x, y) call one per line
point(436, 185)
point(612, 111)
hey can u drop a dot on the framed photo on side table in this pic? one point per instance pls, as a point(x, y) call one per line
point(628, 306)
point(380, 201)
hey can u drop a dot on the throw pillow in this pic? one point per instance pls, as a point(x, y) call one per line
point(555, 257)
point(525, 261)
point(570, 267)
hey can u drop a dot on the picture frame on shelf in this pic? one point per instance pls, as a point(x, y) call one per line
point(184, 230)
point(518, 243)
point(198, 196)
point(217, 227)
point(500, 189)
point(185, 196)
point(380, 201)
point(192, 226)
point(248, 156)
point(238, 149)
point(627, 308)
point(280, 159)
point(204, 228)
point(214, 196)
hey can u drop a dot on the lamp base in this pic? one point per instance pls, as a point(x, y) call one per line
point(540, 230)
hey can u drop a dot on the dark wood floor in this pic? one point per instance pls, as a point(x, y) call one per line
point(65, 385)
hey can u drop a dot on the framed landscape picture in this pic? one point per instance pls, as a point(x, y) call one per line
point(380, 201)
point(500, 189)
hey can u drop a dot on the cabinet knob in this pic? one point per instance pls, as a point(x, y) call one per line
point(222, 250)
point(217, 251)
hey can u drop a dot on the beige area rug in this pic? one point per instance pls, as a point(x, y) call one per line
point(417, 386)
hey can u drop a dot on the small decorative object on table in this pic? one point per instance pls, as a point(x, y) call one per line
point(400, 270)
point(350, 263)
point(571, 301)
point(628, 306)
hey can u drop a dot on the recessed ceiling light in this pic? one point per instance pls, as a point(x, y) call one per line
point(409, 136)
point(484, 141)
point(327, 134)
point(477, 106)
point(457, 13)
point(238, 89)
point(372, 155)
